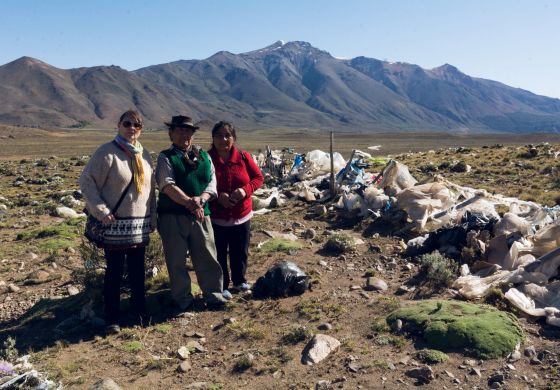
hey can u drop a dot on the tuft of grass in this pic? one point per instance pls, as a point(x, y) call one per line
point(246, 331)
point(296, 335)
point(163, 328)
point(132, 346)
point(243, 363)
point(431, 356)
point(279, 245)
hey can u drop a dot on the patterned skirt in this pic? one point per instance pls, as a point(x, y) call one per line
point(128, 233)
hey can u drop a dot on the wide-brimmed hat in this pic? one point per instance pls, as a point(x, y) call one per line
point(181, 121)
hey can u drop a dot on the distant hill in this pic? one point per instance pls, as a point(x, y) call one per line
point(283, 85)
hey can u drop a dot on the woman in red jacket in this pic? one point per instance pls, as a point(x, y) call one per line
point(237, 177)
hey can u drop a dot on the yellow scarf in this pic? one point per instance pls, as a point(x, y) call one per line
point(135, 153)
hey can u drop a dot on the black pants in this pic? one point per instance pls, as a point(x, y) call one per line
point(113, 276)
point(236, 239)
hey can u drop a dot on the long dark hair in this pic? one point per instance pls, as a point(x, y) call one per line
point(224, 125)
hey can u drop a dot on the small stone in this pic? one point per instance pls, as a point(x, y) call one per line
point(510, 367)
point(323, 385)
point(449, 374)
point(535, 361)
point(324, 326)
point(71, 250)
point(318, 348)
point(320, 209)
point(457, 381)
point(196, 346)
point(13, 288)
point(404, 360)
point(353, 367)
point(230, 320)
point(72, 290)
point(530, 351)
point(376, 284)
point(354, 288)
point(323, 263)
point(423, 374)
point(185, 366)
point(37, 277)
point(514, 356)
point(391, 366)
point(309, 234)
point(297, 225)
point(54, 265)
point(197, 385)
point(32, 256)
point(105, 384)
point(183, 353)
point(475, 371)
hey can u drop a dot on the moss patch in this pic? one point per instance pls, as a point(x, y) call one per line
point(477, 330)
point(431, 356)
point(279, 245)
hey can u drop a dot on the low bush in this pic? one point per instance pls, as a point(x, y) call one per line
point(438, 270)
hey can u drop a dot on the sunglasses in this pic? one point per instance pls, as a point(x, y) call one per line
point(137, 125)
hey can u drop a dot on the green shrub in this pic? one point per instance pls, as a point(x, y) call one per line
point(243, 363)
point(340, 243)
point(438, 270)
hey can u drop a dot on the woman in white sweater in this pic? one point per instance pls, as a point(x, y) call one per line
point(122, 170)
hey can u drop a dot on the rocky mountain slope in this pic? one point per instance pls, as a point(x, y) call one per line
point(283, 85)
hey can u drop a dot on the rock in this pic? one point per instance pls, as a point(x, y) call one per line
point(297, 225)
point(13, 288)
point(185, 366)
point(320, 209)
point(353, 367)
point(535, 361)
point(397, 325)
point(323, 385)
point(230, 320)
point(530, 351)
point(197, 385)
point(183, 353)
point(405, 289)
point(375, 284)
point(32, 256)
point(354, 288)
point(475, 371)
point(497, 377)
point(449, 374)
point(105, 384)
point(423, 374)
point(72, 290)
point(324, 326)
point(37, 277)
point(196, 346)
point(67, 212)
point(310, 234)
point(318, 348)
point(514, 356)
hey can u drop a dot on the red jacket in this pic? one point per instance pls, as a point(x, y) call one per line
point(238, 172)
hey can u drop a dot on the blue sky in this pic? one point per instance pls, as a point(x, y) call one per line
point(514, 42)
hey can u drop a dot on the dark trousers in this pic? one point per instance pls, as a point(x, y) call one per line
point(134, 258)
point(236, 240)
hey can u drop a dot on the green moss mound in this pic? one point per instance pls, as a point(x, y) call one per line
point(477, 330)
point(431, 356)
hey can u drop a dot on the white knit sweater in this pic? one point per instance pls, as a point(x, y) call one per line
point(105, 177)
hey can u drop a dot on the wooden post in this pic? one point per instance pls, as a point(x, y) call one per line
point(333, 182)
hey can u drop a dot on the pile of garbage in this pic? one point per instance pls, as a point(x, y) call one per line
point(498, 240)
point(22, 375)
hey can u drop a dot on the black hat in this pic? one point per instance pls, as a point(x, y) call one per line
point(181, 121)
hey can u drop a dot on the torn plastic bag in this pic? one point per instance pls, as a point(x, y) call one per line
point(512, 223)
point(396, 177)
point(282, 280)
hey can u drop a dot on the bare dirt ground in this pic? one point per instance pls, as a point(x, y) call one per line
point(253, 344)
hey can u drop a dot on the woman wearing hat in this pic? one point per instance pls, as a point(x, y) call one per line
point(187, 181)
point(238, 177)
point(119, 191)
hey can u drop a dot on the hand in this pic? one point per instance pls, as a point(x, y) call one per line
point(198, 201)
point(109, 219)
point(237, 195)
point(225, 201)
point(199, 214)
point(191, 205)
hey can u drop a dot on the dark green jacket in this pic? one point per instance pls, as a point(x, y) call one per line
point(191, 179)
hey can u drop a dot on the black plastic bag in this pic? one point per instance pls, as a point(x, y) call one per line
point(283, 280)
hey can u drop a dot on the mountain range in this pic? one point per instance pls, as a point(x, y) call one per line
point(284, 85)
